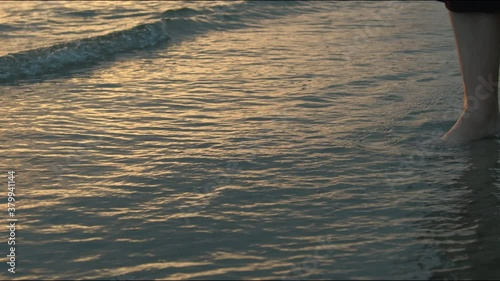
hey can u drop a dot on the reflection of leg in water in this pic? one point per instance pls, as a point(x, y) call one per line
point(466, 230)
point(477, 36)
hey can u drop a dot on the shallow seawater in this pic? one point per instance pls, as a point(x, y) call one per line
point(247, 140)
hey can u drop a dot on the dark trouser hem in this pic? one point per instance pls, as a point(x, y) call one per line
point(472, 6)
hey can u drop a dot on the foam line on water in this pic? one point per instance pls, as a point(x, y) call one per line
point(176, 24)
point(57, 57)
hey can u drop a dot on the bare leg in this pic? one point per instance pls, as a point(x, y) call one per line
point(477, 37)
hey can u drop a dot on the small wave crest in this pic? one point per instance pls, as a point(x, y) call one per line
point(181, 12)
point(174, 24)
point(57, 57)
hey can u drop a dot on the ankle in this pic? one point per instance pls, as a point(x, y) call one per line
point(481, 115)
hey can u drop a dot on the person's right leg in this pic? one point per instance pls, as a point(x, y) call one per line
point(477, 37)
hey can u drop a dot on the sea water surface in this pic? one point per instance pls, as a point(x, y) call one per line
point(248, 140)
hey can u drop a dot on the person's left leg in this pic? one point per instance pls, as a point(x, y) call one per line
point(477, 37)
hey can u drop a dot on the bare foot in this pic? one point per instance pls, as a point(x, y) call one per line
point(471, 127)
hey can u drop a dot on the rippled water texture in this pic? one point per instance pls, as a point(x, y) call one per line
point(219, 140)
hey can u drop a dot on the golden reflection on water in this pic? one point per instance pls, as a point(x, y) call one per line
point(128, 160)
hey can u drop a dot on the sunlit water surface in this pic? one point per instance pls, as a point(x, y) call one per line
point(293, 140)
